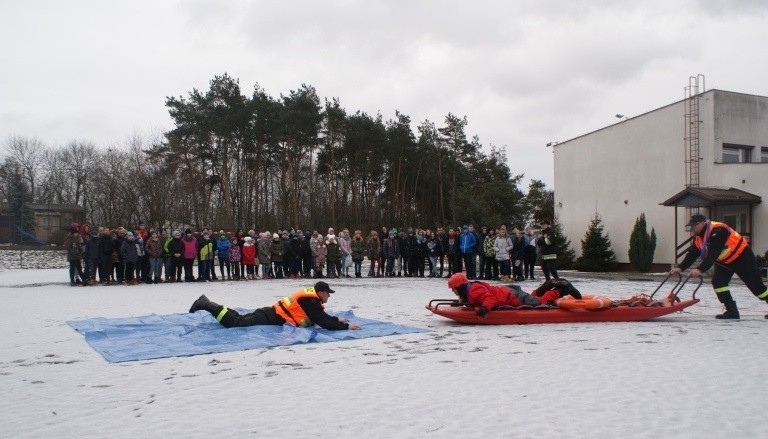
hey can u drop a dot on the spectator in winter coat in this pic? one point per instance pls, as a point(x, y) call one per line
point(189, 254)
point(205, 254)
point(276, 250)
point(333, 257)
point(93, 256)
point(345, 253)
point(373, 247)
point(264, 251)
point(129, 250)
point(106, 250)
point(154, 250)
point(249, 258)
point(502, 246)
point(390, 251)
point(357, 245)
point(166, 239)
point(468, 250)
point(222, 250)
point(518, 253)
point(73, 244)
point(320, 254)
point(529, 253)
point(234, 256)
point(176, 252)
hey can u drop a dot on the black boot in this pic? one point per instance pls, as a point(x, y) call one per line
point(731, 312)
point(202, 303)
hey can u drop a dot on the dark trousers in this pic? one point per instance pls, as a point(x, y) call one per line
point(105, 268)
point(261, 316)
point(176, 264)
point(529, 261)
point(189, 275)
point(224, 262)
point(470, 263)
point(129, 267)
point(549, 267)
point(75, 271)
point(746, 268)
point(235, 266)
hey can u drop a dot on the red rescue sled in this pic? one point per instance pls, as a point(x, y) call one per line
point(618, 311)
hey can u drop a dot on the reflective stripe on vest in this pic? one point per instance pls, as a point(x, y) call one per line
point(289, 309)
point(734, 246)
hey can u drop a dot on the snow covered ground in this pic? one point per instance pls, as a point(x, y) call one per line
point(685, 375)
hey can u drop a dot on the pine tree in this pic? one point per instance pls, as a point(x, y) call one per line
point(596, 252)
point(19, 198)
point(565, 254)
point(642, 246)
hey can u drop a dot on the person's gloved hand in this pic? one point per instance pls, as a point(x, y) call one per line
point(482, 312)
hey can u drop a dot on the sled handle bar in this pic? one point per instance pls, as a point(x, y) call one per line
point(447, 302)
point(679, 280)
point(693, 295)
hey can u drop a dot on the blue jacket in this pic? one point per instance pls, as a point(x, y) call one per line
point(222, 245)
point(467, 242)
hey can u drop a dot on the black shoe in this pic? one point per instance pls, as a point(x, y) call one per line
point(199, 304)
point(729, 315)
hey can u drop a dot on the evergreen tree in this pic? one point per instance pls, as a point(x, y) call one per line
point(642, 246)
point(565, 254)
point(596, 253)
point(19, 197)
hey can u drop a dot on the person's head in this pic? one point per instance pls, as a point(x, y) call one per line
point(697, 224)
point(206, 235)
point(323, 291)
point(153, 235)
point(544, 224)
point(234, 241)
point(275, 237)
point(163, 233)
point(129, 236)
point(177, 234)
point(528, 230)
point(458, 284)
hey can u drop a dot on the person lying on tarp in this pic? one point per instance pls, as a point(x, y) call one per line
point(486, 297)
point(303, 308)
point(562, 286)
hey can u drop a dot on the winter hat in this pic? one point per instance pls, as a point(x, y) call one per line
point(247, 239)
point(275, 236)
point(129, 234)
point(221, 232)
point(188, 231)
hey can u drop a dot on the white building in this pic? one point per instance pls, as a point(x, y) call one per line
point(708, 151)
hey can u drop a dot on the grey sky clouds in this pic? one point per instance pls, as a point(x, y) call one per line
point(523, 72)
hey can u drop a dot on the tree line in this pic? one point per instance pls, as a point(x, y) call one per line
point(255, 161)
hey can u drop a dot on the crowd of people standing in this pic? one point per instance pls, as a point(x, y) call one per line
point(106, 256)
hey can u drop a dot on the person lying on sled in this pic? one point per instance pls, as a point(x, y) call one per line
point(487, 297)
point(562, 286)
point(303, 308)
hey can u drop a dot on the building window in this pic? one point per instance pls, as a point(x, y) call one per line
point(733, 153)
point(737, 221)
point(764, 155)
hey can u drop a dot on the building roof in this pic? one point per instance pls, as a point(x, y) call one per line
point(710, 91)
point(711, 196)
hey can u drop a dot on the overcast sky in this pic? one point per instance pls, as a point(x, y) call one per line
point(524, 73)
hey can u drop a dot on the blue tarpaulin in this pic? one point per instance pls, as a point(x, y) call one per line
point(178, 335)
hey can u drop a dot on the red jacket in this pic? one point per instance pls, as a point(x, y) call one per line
point(249, 255)
point(491, 296)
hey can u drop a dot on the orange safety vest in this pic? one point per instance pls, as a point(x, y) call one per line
point(289, 309)
point(734, 246)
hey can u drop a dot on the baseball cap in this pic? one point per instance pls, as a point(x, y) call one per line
point(323, 286)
